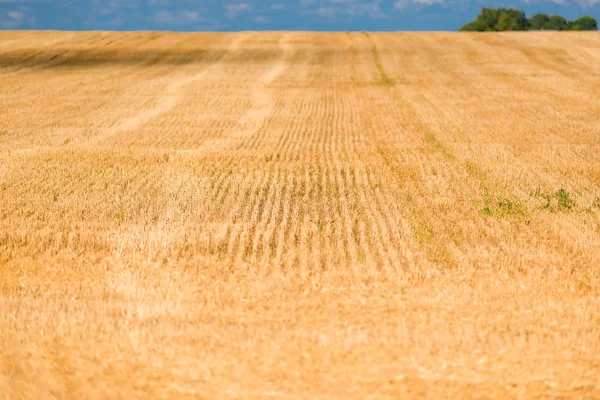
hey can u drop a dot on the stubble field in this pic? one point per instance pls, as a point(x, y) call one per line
point(299, 215)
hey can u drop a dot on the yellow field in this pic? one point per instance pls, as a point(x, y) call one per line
point(299, 215)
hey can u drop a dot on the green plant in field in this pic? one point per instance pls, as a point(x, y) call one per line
point(431, 139)
point(564, 201)
point(320, 225)
point(487, 210)
point(386, 80)
point(559, 201)
point(509, 207)
point(501, 207)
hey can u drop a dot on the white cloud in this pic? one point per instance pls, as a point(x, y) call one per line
point(234, 9)
point(400, 4)
point(428, 2)
point(18, 15)
point(356, 8)
point(326, 12)
point(587, 3)
point(165, 17)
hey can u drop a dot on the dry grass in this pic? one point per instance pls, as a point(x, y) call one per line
point(298, 215)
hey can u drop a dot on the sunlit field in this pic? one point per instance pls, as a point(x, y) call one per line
point(299, 215)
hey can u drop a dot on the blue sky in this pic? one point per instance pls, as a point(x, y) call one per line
point(232, 15)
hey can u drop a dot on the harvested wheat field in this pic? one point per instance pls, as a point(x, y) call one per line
point(299, 215)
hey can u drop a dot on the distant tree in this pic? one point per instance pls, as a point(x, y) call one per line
point(489, 16)
point(585, 23)
point(498, 19)
point(475, 26)
point(538, 21)
point(557, 22)
point(508, 19)
point(507, 23)
point(520, 17)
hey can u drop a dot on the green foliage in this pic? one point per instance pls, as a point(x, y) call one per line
point(490, 16)
point(556, 22)
point(585, 24)
point(564, 201)
point(508, 19)
point(507, 23)
point(509, 207)
point(475, 26)
point(502, 207)
point(520, 18)
point(538, 21)
point(559, 201)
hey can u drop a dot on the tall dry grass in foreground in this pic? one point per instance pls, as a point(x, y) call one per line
point(299, 215)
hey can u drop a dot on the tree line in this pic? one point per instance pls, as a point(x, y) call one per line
point(508, 19)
